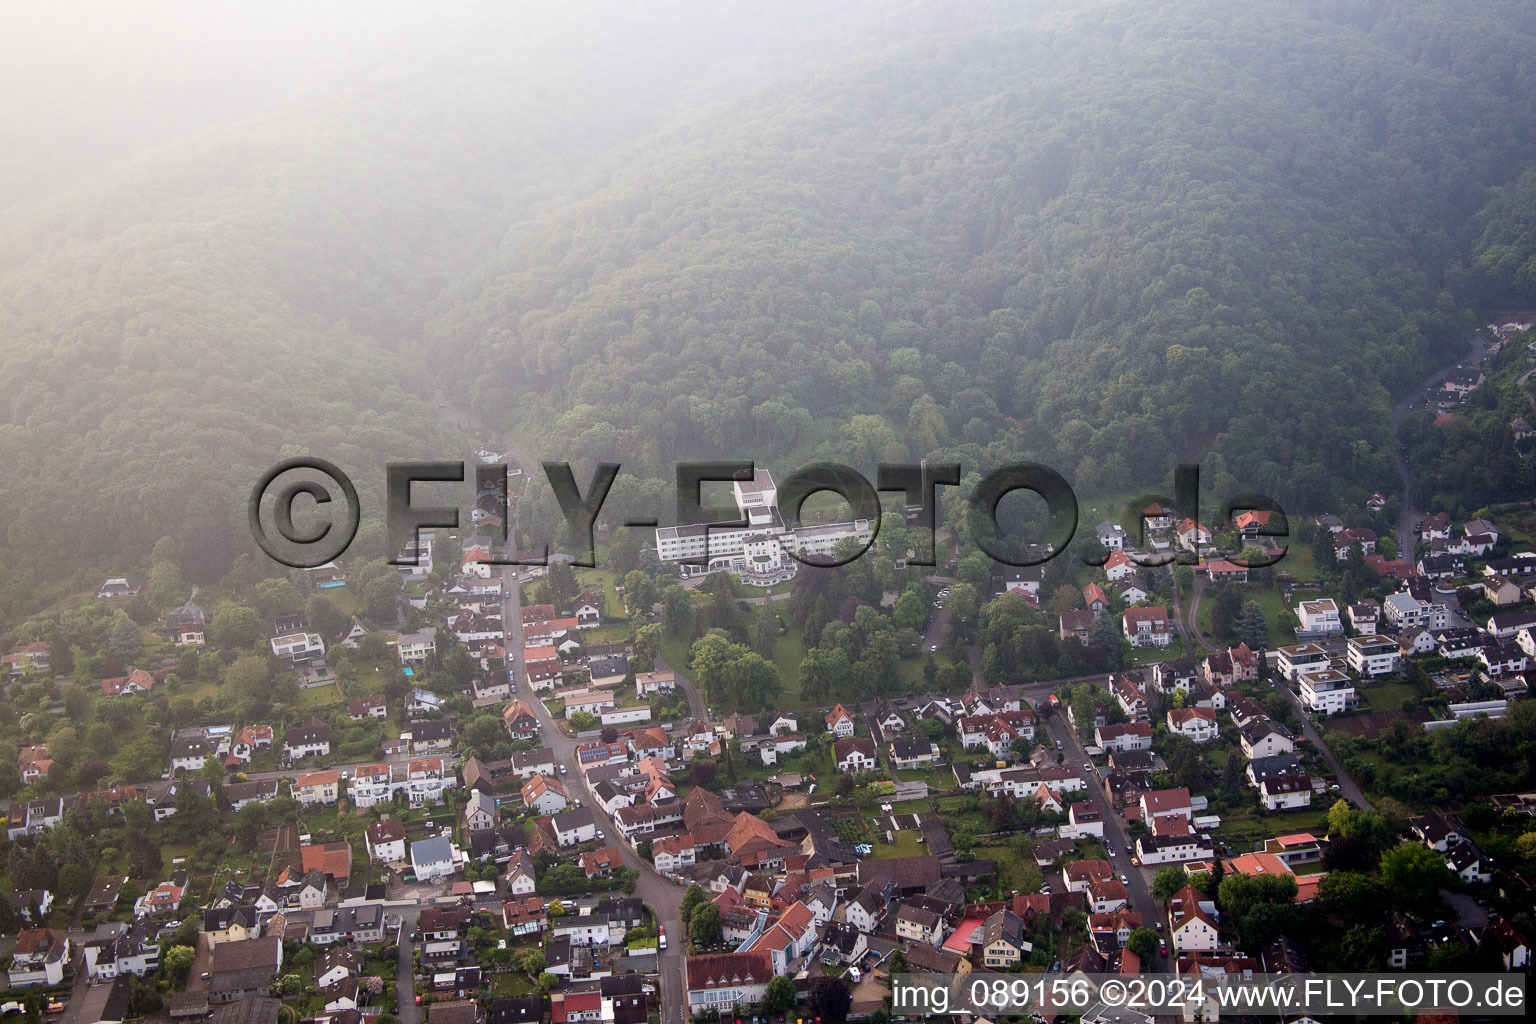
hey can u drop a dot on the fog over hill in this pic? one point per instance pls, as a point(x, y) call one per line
point(1108, 236)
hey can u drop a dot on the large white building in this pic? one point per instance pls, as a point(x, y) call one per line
point(758, 552)
point(1327, 692)
point(1371, 656)
point(423, 781)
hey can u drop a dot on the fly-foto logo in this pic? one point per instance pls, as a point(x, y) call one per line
point(281, 488)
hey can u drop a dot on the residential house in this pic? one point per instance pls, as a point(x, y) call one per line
point(385, 839)
point(854, 755)
point(310, 739)
point(1147, 627)
point(433, 858)
point(839, 722)
point(1198, 724)
point(317, 787)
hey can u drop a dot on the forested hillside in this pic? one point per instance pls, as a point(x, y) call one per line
point(1108, 237)
point(191, 313)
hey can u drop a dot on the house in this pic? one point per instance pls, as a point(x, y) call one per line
point(671, 854)
point(918, 924)
point(1198, 724)
point(1501, 591)
point(118, 587)
point(523, 915)
point(1435, 527)
point(1327, 692)
point(1461, 381)
point(34, 657)
point(415, 649)
point(366, 707)
point(854, 755)
point(33, 763)
point(136, 681)
point(311, 739)
point(1083, 820)
point(1095, 600)
point(913, 752)
point(1077, 624)
point(433, 858)
point(1364, 616)
point(243, 969)
point(520, 721)
point(1299, 660)
point(31, 905)
point(125, 951)
point(652, 683)
point(1285, 792)
point(1191, 921)
point(1147, 627)
point(720, 982)
point(1318, 619)
point(1111, 535)
point(294, 644)
point(601, 863)
point(1160, 802)
point(317, 787)
point(1118, 566)
point(1107, 895)
point(1001, 940)
point(520, 873)
point(544, 794)
point(1467, 862)
point(1125, 736)
point(386, 841)
point(480, 813)
point(1130, 590)
point(1373, 655)
point(574, 826)
point(839, 722)
point(190, 753)
point(432, 735)
point(1191, 536)
point(588, 609)
point(1264, 737)
point(39, 958)
point(866, 910)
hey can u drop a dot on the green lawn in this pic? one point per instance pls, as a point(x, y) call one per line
point(1253, 826)
point(1387, 696)
point(906, 845)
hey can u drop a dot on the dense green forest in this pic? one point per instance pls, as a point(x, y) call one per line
point(1108, 236)
point(1108, 239)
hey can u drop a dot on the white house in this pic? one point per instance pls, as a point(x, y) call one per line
point(1374, 655)
point(433, 858)
point(574, 827)
point(1285, 792)
point(1318, 618)
point(1327, 692)
point(1198, 724)
point(855, 755)
point(839, 722)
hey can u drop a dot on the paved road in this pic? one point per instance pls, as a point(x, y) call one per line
point(1347, 784)
point(1059, 729)
point(660, 894)
point(405, 979)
